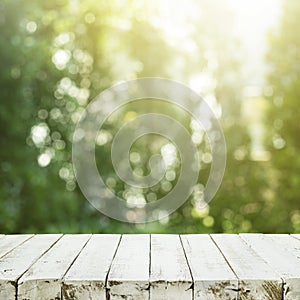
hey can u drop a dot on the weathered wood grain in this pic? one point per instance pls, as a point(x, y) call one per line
point(156, 267)
point(16, 262)
point(213, 277)
point(10, 242)
point(281, 260)
point(257, 280)
point(86, 277)
point(170, 277)
point(43, 279)
point(129, 274)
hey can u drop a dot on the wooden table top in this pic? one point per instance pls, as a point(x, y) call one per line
point(155, 267)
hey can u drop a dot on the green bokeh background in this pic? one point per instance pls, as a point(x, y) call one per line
point(57, 55)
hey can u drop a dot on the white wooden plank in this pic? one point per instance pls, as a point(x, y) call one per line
point(257, 280)
point(129, 274)
point(170, 277)
point(296, 236)
point(16, 262)
point(213, 277)
point(285, 263)
point(9, 242)
point(287, 242)
point(44, 279)
point(86, 277)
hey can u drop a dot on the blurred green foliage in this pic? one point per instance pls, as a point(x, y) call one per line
point(56, 56)
point(282, 119)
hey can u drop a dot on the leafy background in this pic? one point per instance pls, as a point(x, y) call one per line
point(57, 55)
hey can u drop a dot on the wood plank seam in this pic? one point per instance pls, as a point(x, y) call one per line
point(170, 276)
point(295, 237)
point(17, 281)
point(256, 278)
point(213, 278)
point(192, 286)
point(129, 273)
point(235, 290)
point(86, 277)
point(282, 279)
point(77, 256)
point(61, 288)
point(265, 248)
point(285, 288)
point(106, 277)
point(6, 253)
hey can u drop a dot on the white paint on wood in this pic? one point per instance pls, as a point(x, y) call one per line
point(45, 265)
point(10, 242)
point(257, 280)
point(86, 277)
point(287, 242)
point(43, 279)
point(213, 278)
point(170, 277)
point(296, 236)
point(129, 274)
point(16, 262)
point(285, 263)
